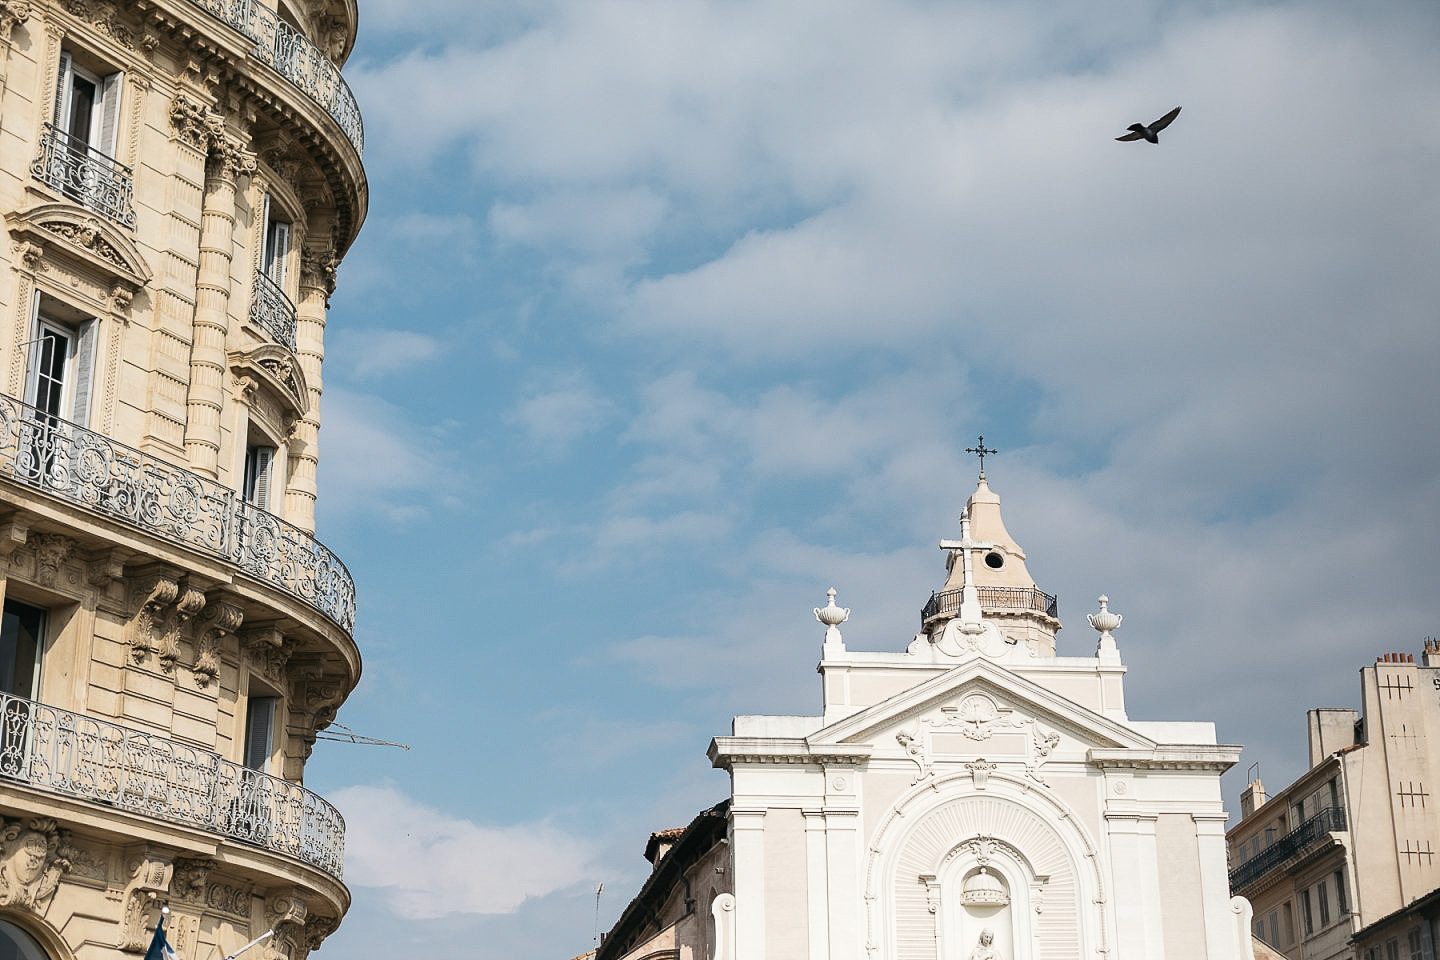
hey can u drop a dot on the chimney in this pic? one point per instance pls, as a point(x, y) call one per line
point(1252, 799)
point(1431, 657)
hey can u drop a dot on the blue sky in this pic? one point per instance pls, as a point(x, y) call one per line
point(669, 315)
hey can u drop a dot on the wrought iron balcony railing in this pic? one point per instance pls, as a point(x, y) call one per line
point(1288, 848)
point(119, 482)
point(86, 176)
point(296, 59)
point(946, 603)
point(79, 756)
point(272, 311)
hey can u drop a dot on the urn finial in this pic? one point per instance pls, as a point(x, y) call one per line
point(832, 616)
point(1104, 621)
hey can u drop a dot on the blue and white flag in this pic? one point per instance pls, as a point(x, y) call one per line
point(160, 948)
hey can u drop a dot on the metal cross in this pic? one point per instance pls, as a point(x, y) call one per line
point(1396, 686)
point(983, 452)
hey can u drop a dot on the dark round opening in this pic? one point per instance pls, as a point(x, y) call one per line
point(994, 560)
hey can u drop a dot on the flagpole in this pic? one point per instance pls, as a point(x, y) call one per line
point(264, 936)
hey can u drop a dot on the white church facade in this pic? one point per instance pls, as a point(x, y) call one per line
point(974, 797)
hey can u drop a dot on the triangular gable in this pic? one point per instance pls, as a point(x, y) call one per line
point(991, 678)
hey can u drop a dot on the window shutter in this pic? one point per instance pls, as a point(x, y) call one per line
point(264, 457)
point(84, 371)
point(32, 351)
point(265, 234)
point(109, 114)
point(280, 253)
point(62, 92)
point(259, 719)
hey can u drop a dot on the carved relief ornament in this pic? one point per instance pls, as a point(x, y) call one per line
point(86, 245)
point(218, 622)
point(150, 876)
point(12, 12)
point(34, 855)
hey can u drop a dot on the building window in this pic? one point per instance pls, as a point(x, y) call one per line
point(1322, 890)
point(22, 640)
point(1289, 924)
point(87, 108)
point(78, 147)
point(1274, 929)
point(1341, 903)
point(1305, 912)
point(18, 944)
point(259, 465)
point(1269, 837)
point(61, 363)
point(1392, 949)
point(275, 247)
point(1335, 793)
point(259, 732)
point(1417, 951)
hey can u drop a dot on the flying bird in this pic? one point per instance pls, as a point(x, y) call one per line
point(1139, 131)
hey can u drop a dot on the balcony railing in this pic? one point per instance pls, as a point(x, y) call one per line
point(86, 176)
point(272, 311)
point(79, 756)
point(119, 482)
point(946, 603)
point(1289, 847)
point(295, 58)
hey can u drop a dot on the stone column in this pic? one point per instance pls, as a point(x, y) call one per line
point(228, 162)
point(317, 282)
point(747, 844)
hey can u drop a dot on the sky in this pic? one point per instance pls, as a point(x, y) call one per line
point(669, 315)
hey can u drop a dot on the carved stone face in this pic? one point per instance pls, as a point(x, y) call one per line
point(987, 937)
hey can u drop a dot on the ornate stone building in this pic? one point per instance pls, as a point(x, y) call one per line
point(178, 180)
point(976, 796)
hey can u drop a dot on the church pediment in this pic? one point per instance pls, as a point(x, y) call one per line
point(981, 704)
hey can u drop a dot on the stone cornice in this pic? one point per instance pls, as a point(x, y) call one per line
point(1218, 757)
point(725, 752)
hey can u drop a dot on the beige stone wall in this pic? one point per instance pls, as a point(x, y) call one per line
point(100, 825)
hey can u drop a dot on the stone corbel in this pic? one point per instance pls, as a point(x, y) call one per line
point(104, 567)
point(268, 651)
point(12, 12)
point(34, 855)
point(189, 880)
point(150, 875)
point(154, 595)
point(317, 928)
point(219, 622)
point(315, 696)
point(287, 913)
point(186, 606)
point(932, 891)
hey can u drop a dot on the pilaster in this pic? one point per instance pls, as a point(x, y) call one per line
point(1215, 886)
point(747, 840)
point(816, 885)
point(317, 281)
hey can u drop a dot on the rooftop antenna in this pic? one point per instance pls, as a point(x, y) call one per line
point(595, 936)
point(1253, 774)
point(343, 734)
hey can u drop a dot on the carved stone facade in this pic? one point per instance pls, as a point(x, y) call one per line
point(184, 638)
point(979, 795)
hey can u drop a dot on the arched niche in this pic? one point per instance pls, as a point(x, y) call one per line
point(935, 838)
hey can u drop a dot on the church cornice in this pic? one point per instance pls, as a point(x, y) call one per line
point(726, 751)
point(1217, 758)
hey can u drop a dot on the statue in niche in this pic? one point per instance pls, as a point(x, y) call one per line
point(985, 949)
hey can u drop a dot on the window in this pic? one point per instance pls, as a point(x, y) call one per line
point(1269, 837)
point(16, 943)
point(22, 640)
point(1335, 793)
point(1417, 951)
point(1340, 902)
point(87, 109)
point(1392, 949)
point(274, 246)
point(1305, 912)
point(1289, 924)
point(1254, 846)
point(61, 363)
point(259, 732)
point(1274, 929)
point(259, 465)
point(1322, 890)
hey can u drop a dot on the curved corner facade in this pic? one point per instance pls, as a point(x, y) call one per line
point(179, 180)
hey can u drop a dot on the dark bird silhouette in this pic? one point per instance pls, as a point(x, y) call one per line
point(1138, 131)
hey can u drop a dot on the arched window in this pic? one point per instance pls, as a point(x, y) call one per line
point(16, 944)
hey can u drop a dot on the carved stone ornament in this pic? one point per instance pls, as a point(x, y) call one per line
point(287, 913)
point(913, 743)
point(150, 875)
point(231, 898)
point(144, 630)
point(980, 770)
point(267, 651)
point(121, 296)
point(189, 603)
point(34, 855)
point(219, 622)
point(62, 229)
point(188, 883)
point(32, 255)
point(317, 929)
point(317, 269)
point(229, 158)
point(978, 717)
point(51, 550)
point(189, 119)
point(11, 13)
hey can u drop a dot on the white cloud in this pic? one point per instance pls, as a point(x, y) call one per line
point(431, 864)
point(375, 458)
point(372, 354)
point(560, 410)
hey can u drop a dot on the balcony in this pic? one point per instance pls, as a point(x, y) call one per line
point(67, 753)
point(86, 176)
point(121, 483)
point(272, 311)
point(1289, 848)
point(295, 58)
point(946, 603)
